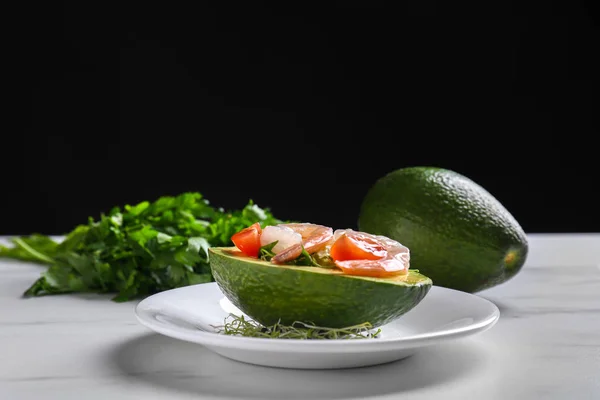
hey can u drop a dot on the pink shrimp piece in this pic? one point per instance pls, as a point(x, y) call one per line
point(314, 238)
point(396, 262)
point(390, 266)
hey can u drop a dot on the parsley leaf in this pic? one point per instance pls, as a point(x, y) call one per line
point(265, 253)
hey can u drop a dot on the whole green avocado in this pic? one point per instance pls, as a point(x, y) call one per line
point(458, 234)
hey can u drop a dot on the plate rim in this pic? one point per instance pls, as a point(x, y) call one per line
point(144, 315)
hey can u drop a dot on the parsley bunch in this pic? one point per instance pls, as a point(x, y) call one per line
point(137, 250)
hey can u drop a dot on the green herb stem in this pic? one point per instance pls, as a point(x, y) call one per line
point(33, 252)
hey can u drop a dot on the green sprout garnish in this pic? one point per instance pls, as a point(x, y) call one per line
point(239, 326)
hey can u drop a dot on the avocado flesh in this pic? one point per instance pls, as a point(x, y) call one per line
point(271, 293)
point(458, 233)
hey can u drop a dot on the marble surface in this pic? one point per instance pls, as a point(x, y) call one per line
point(545, 346)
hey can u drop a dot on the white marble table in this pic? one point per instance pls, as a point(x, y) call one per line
point(545, 346)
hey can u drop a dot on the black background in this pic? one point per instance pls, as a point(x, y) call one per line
point(300, 110)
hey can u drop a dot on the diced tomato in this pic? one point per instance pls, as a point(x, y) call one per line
point(248, 240)
point(354, 246)
point(373, 268)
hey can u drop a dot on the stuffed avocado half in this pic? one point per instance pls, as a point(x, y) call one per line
point(308, 273)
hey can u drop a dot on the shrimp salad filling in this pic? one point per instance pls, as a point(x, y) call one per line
point(307, 244)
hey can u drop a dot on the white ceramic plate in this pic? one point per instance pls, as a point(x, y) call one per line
point(190, 313)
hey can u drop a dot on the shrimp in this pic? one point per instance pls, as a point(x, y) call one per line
point(396, 261)
point(314, 238)
point(284, 236)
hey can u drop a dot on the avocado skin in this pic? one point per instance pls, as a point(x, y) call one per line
point(457, 232)
point(270, 293)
